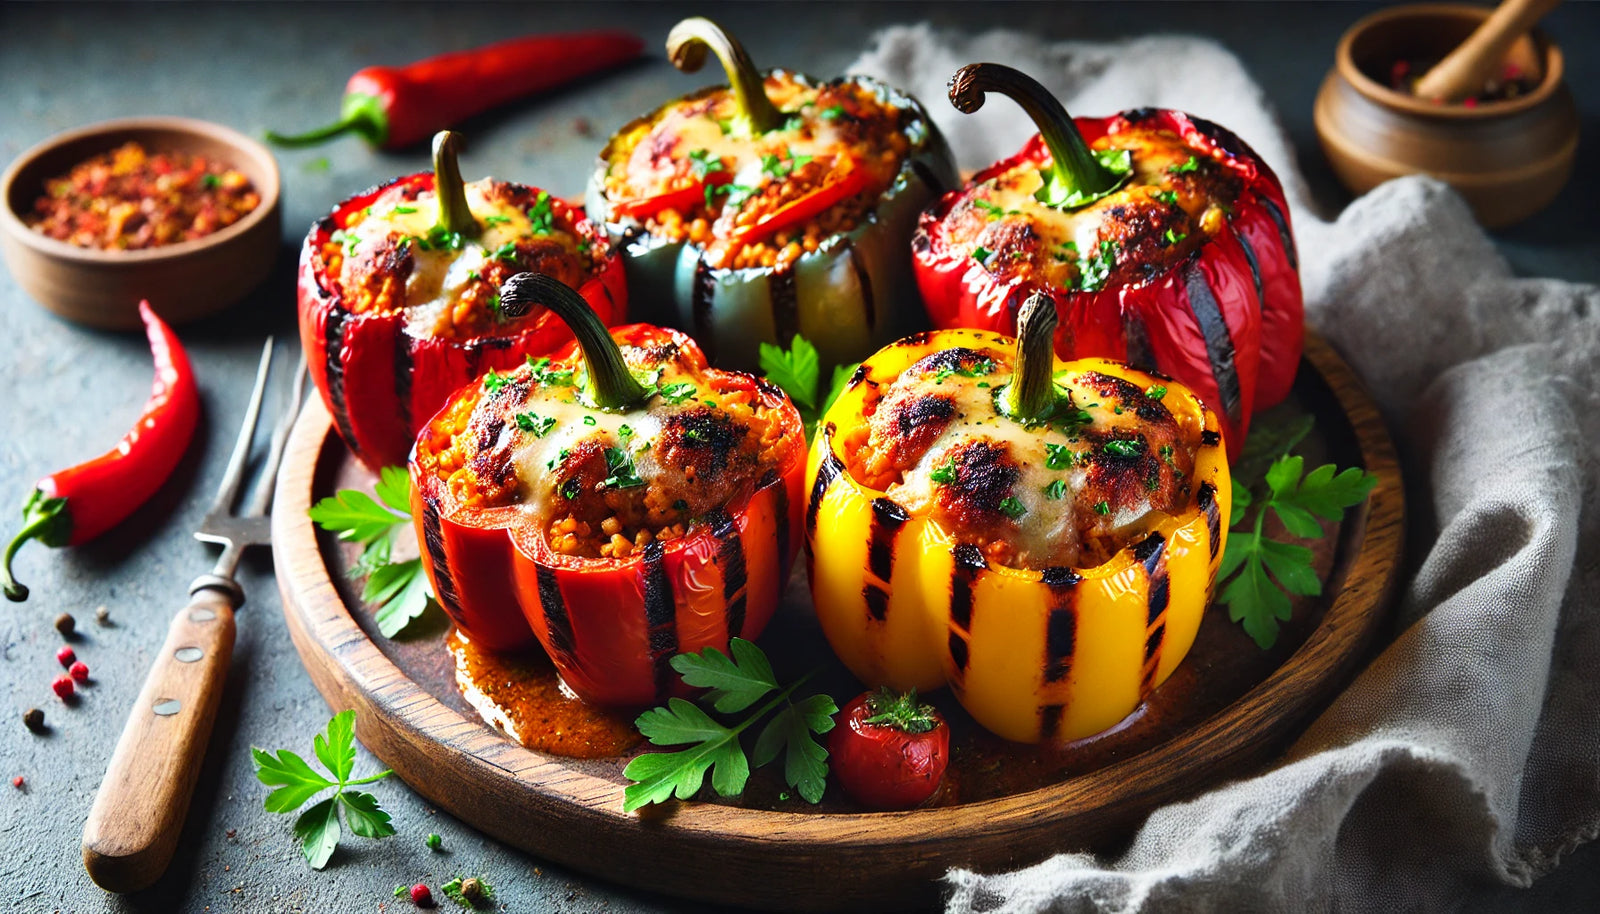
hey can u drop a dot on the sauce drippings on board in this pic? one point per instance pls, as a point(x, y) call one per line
point(521, 695)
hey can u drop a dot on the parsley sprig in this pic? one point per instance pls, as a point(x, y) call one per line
point(296, 782)
point(733, 682)
point(797, 370)
point(1260, 572)
point(398, 589)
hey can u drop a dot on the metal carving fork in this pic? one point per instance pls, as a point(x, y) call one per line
point(139, 811)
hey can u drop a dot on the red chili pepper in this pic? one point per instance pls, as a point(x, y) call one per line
point(803, 208)
point(394, 107)
point(683, 198)
point(80, 503)
point(1226, 320)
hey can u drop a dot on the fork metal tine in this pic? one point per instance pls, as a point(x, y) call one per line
point(262, 497)
point(229, 490)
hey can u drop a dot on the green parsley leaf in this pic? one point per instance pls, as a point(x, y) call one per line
point(1156, 391)
point(506, 252)
point(736, 683)
point(1012, 507)
point(1102, 508)
point(982, 254)
point(538, 425)
point(545, 376)
point(1173, 237)
point(794, 370)
point(1122, 447)
point(702, 162)
point(994, 212)
point(1056, 490)
point(347, 239)
point(1058, 457)
point(833, 113)
point(1169, 197)
point(620, 471)
point(211, 181)
point(841, 379)
point(1094, 270)
point(496, 220)
point(541, 215)
point(1188, 166)
point(493, 381)
point(404, 210)
point(944, 473)
point(318, 827)
point(677, 393)
point(400, 592)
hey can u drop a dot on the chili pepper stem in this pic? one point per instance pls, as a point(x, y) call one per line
point(1031, 396)
point(686, 46)
point(611, 386)
point(43, 518)
point(454, 213)
point(360, 113)
point(1075, 177)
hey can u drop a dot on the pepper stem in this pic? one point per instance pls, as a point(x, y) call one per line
point(686, 46)
point(1075, 177)
point(43, 518)
point(454, 213)
point(611, 386)
point(1031, 395)
point(360, 113)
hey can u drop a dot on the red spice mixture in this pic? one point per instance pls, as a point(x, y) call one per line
point(128, 199)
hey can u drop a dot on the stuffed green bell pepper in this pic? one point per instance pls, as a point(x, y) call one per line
point(778, 206)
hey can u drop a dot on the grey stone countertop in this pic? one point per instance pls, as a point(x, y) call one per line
point(70, 392)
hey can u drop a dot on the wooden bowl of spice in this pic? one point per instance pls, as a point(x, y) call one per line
point(182, 212)
point(1508, 150)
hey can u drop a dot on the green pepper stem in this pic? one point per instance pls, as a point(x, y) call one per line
point(43, 518)
point(1074, 169)
point(1031, 396)
point(360, 113)
point(686, 46)
point(454, 213)
point(611, 386)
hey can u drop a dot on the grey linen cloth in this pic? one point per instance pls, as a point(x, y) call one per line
point(1468, 752)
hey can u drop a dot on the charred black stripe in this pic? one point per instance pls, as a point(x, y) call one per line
point(1224, 138)
point(785, 304)
point(702, 295)
point(730, 555)
point(402, 376)
point(333, 344)
point(1210, 438)
point(969, 561)
point(1207, 500)
point(1152, 644)
point(864, 280)
point(780, 513)
point(610, 299)
point(433, 539)
point(925, 172)
point(555, 611)
point(660, 614)
point(827, 471)
point(1284, 235)
point(1050, 722)
point(887, 519)
point(1061, 627)
point(1152, 553)
point(877, 602)
point(1219, 344)
point(1255, 268)
point(958, 651)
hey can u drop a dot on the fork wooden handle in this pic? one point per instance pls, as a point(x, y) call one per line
point(139, 811)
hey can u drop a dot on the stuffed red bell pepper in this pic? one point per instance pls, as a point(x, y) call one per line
point(621, 498)
point(1162, 237)
point(399, 301)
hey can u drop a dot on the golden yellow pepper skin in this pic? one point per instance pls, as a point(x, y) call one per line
point(1033, 656)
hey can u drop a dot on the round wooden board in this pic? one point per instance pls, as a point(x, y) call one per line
point(571, 812)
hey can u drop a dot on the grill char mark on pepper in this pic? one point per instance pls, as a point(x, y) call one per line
point(1061, 626)
point(1206, 498)
point(1151, 552)
point(869, 305)
point(660, 614)
point(827, 471)
point(887, 519)
point(730, 556)
point(433, 541)
point(702, 296)
point(969, 562)
point(554, 606)
point(785, 302)
point(1219, 342)
point(333, 334)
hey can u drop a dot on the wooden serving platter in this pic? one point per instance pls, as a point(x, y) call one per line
point(1226, 710)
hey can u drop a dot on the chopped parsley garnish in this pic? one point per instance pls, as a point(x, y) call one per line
point(976, 370)
point(1096, 268)
point(541, 215)
point(620, 471)
point(571, 489)
point(493, 381)
point(1057, 456)
point(624, 431)
point(944, 473)
point(350, 241)
point(833, 113)
point(506, 252)
point(1156, 391)
point(703, 163)
point(982, 254)
point(1186, 167)
point(1173, 237)
point(541, 372)
point(404, 210)
point(496, 220)
point(494, 307)
point(1166, 453)
point(440, 238)
point(535, 423)
point(1168, 197)
point(588, 420)
point(1122, 447)
point(677, 393)
point(736, 193)
point(1101, 508)
point(995, 212)
point(211, 181)
point(1012, 508)
point(792, 122)
point(725, 125)
point(777, 168)
point(1056, 490)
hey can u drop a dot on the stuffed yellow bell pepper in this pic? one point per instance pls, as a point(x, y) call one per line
point(1041, 535)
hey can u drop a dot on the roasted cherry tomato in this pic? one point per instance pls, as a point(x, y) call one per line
point(889, 751)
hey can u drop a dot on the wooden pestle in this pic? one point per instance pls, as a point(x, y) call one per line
point(1469, 66)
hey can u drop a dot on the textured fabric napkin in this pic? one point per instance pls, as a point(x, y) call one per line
point(1469, 750)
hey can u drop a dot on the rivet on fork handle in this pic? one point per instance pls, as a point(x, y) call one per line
point(139, 811)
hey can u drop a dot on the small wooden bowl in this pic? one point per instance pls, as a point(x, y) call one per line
point(182, 281)
point(1507, 158)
